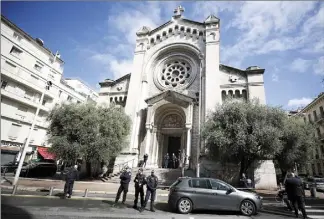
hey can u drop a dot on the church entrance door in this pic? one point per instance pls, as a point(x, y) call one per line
point(174, 144)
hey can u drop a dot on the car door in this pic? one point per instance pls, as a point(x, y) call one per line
point(222, 199)
point(201, 193)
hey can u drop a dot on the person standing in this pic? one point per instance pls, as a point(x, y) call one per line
point(145, 159)
point(151, 185)
point(296, 193)
point(166, 160)
point(71, 176)
point(174, 161)
point(125, 178)
point(139, 190)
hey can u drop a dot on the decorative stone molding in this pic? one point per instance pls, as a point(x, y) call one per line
point(172, 121)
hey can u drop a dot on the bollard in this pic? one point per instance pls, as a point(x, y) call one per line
point(51, 191)
point(14, 189)
point(86, 193)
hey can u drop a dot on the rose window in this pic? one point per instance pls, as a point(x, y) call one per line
point(175, 74)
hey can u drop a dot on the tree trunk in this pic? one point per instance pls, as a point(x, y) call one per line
point(88, 164)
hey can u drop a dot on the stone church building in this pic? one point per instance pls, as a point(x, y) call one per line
point(177, 78)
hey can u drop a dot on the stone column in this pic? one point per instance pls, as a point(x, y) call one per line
point(154, 148)
point(188, 144)
point(148, 139)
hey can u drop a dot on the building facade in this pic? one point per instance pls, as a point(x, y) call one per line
point(83, 89)
point(314, 113)
point(177, 80)
point(26, 67)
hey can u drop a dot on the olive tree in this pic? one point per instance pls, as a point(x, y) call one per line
point(88, 131)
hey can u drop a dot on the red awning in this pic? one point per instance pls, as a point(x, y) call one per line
point(45, 154)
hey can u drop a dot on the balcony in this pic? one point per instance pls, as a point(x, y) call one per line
point(25, 119)
point(37, 85)
point(320, 119)
point(22, 99)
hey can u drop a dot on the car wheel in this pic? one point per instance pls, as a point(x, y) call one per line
point(184, 206)
point(247, 208)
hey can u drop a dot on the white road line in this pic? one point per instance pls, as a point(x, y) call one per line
point(2, 181)
point(316, 216)
point(191, 218)
point(314, 210)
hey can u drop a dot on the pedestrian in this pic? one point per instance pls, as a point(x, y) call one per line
point(296, 193)
point(151, 185)
point(145, 159)
point(166, 160)
point(139, 187)
point(104, 170)
point(248, 182)
point(174, 160)
point(179, 159)
point(70, 177)
point(243, 181)
point(125, 178)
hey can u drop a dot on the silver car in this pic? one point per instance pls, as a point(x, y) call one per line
point(187, 194)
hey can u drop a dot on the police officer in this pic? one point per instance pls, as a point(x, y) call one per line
point(151, 185)
point(139, 183)
point(125, 178)
point(166, 161)
point(71, 176)
point(296, 193)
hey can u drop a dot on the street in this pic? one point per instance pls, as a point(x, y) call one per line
point(52, 208)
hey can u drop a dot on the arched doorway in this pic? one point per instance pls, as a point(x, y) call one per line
point(169, 123)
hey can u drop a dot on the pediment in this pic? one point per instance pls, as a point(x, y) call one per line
point(180, 22)
point(172, 97)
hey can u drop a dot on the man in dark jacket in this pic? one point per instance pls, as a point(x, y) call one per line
point(166, 161)
point(295, 193)
point(151, 185)
point(125, 178)
point(139, 183)
point(70, 177)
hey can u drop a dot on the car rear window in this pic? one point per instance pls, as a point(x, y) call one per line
point(176, 183)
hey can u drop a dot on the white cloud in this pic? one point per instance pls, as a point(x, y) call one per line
point(319, 66)
point(299, 102)
point(275, 77)
point(300, 65)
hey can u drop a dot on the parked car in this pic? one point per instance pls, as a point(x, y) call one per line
point(10, 167)
point(319, 182)
point(187, 194)
point(39, 168)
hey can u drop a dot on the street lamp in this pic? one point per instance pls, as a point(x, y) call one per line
point(22, 157)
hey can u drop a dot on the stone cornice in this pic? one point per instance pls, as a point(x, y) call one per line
point(169, 93)
point(242, 85)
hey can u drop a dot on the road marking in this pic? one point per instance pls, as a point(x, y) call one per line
point(2, 181)
point(316, 216)
point(191, 218)
point(314, 210)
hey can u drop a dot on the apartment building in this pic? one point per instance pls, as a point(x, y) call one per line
point(26, 67)
point(83, 88)
point(314, 113)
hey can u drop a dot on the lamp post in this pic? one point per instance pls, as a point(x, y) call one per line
point(23, 154)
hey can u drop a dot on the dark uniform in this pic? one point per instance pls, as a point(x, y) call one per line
point(139, 190)
point(151, 185)
point(166, 161)
point(174, 161)
point(296, 194)
point(124, 183)
point(70, 177)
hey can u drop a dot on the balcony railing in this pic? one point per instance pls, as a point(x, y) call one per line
point(22, 98)
point(320, 118)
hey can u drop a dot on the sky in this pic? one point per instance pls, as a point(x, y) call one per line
point(96, 39)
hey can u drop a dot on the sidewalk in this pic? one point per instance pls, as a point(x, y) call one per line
point(96, 187)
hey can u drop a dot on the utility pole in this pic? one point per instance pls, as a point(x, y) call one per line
point(23, 154)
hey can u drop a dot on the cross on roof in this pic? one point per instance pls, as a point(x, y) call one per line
point(179, 10)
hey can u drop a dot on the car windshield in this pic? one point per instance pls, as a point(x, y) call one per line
point(175, 183)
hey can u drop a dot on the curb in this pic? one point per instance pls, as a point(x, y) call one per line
point(72, 198)
point(36, 189)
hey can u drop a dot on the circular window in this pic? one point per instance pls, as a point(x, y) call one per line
point(175, 74)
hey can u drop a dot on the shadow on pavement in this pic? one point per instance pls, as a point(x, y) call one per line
point(11, 212)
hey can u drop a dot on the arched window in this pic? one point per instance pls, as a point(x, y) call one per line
point(201, 33)
point(152, 41)
point(237, 94)
point(182, 29)
point(223, 95)
point(244, 94)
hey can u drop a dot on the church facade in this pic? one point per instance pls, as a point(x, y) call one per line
point(177, 79)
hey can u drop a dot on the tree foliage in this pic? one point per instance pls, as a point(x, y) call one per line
point(243, 132)
point(92, 132)
point(298, 140)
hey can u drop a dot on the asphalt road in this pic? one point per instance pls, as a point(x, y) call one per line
point(41, 207)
